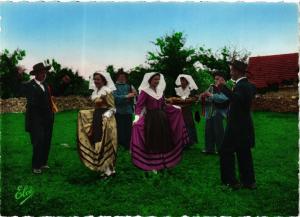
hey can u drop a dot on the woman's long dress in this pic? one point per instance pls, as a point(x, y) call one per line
point(185, 100)
point(97, 136)
point(189, 122)
point(158, 137)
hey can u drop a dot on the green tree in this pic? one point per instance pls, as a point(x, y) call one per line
point(10, 73)
point(111, 70)
point(173, 58)
point(219, 60)
point(77, 86)
point(136, 75)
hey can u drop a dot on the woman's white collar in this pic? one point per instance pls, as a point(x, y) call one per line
point(100, 92)
point(156, 95)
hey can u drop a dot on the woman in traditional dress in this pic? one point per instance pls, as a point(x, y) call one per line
point(186, 91)
point(158, 132)
point(97, 130)
point(124, 98)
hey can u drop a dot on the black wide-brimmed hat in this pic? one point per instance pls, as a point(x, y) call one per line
point(38, 68)
point(239, 65)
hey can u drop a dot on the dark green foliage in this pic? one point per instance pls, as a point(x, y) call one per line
point(111, 70)
point(202, 78)
point(136, 75)
point(77, 86)
point(170, 58)
point(192, 188)
point(219, 60)
point(10, 74)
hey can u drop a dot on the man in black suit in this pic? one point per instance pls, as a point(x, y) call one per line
point(39, 116)
point(239, 134)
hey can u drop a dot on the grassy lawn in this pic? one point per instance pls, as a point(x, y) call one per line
point(192, 188)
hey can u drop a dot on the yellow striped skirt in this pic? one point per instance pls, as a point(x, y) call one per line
point(101, 155)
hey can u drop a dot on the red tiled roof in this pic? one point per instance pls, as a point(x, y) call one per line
point(266, 70)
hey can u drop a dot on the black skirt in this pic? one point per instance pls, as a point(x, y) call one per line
point(97, 124)
point(157, 132)
point(190, 125)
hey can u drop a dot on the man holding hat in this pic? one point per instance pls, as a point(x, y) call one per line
point(239, 134)
point(39, 116)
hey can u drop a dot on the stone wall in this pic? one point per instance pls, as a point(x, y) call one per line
point(283, 100)
point(63, 104)
point(268, 102)
point(276, 104)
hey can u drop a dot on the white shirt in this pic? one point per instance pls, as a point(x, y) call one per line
point(239, 79)
point(40, 84)
point(183, 93)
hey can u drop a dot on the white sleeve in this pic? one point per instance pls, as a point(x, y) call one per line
point(109, 113)
point(176, 106)
point(94, 95)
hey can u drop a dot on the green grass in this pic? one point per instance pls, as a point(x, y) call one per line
point(192, 188)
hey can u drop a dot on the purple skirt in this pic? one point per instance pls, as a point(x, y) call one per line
point(169, 155)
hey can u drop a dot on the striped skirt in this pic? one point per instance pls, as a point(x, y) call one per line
point(97, 142)
point(147, 160)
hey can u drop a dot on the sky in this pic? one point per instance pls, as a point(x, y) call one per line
point(89, 36)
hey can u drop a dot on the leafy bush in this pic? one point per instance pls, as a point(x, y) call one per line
point(10, 73)
point(77, 86)
point(171, 58)
point(136, 75)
